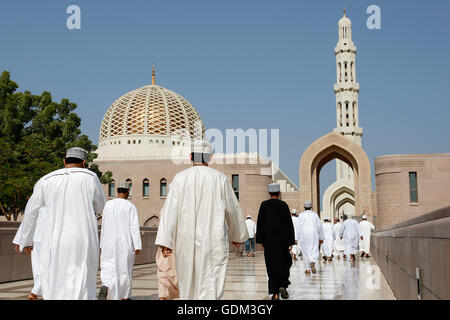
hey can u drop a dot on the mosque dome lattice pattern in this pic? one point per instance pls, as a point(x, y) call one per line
point(151, 110)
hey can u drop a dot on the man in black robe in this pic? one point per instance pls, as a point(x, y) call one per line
point(275, 233)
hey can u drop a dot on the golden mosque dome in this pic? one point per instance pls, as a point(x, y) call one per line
point(151, 110)
point(147, 117)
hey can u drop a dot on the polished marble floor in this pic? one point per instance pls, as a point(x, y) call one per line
point(247, 279)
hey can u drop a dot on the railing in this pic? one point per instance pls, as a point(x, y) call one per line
point(414, 256)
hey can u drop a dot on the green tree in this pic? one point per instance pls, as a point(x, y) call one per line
point(35, 133)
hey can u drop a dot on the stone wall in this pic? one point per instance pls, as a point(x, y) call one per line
point(293, 200)
point(14, 267)
point(422, 242)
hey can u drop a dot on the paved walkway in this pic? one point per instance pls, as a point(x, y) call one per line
point(247, 279)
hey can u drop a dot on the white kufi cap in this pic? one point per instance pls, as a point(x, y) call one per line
point(124, 185)
point(274, 187)
point(201, 146)
point(77, 152)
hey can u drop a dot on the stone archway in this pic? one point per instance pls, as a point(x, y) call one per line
point(336, 189)
point(152, 222)
point(329, 147)
point(341, 201)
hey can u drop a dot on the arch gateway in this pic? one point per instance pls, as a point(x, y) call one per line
point(329, 147)
point(333, 204)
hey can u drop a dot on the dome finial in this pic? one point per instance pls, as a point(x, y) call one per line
point(344, 12)
point(153, 75)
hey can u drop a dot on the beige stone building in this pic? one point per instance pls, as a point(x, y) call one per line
point(410, 185)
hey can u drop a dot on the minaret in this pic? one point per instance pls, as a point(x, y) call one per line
point(346, 90)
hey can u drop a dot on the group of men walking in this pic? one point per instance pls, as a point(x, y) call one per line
point(60, 228)
point(344, 239)
point(285, 236)
point(199, 219)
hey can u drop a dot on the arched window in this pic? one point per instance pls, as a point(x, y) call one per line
point(145, 188)
point(340, 113)
point(130, 183)
point(339, 72)
point(351, 71)
point(163, 187)
point(347, 114)
point(111, 189)
point(345, 71)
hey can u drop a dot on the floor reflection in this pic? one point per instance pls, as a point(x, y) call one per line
point(247, 279)
point(336, 280)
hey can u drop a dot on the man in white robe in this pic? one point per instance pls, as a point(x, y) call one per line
point(41, 224)
point(329, 235)
point(366, 230)
point(69, 247)
point(120, 242)
point(310, 235)
point(199, 217)
point(295, 250)
point(351, 233)
point(250, 243)
point(339, 244)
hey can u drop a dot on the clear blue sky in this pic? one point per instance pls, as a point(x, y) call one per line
point(244, 64)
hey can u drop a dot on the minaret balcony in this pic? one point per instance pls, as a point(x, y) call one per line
point(341, 48)
point(346, 86)
point(357, 131)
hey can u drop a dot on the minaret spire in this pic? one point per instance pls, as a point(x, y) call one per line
point(153, 75)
